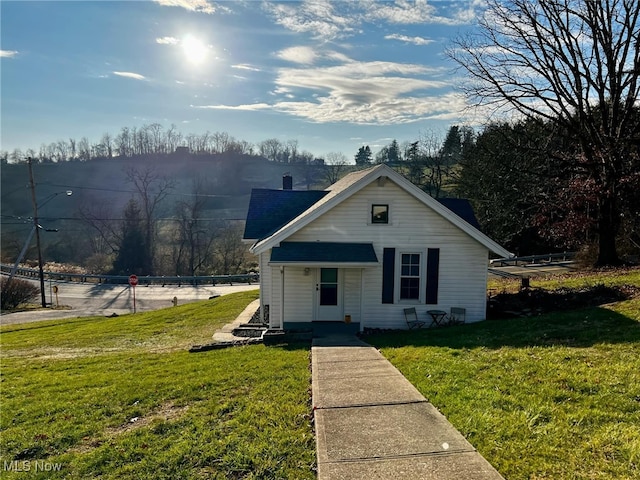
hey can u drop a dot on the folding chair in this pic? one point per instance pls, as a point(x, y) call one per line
point(411, 316)
point(457, 315)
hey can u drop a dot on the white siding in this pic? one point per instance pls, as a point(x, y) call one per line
point(352, 294)
point(275, 296)
point(412, 227)
point(298, 295)
point(265, 281)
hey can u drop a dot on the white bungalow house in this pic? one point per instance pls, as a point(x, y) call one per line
point(363, 250)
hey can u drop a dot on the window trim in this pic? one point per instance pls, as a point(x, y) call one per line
point(372, 220)
point(419, 276)
point(398, 275)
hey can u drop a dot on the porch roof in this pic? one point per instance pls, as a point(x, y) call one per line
point(324, 253)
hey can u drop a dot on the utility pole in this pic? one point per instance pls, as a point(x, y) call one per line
point(37, 230)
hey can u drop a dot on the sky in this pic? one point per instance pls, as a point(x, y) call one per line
point(332, 75)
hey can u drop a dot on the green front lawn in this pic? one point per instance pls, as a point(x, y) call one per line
point(549, 397)
point(122, 398)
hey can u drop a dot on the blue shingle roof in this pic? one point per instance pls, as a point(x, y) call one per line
point(331, 252)
point(462, 208)
point(271, 209)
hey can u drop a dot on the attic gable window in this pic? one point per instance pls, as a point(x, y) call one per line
point(380, 214)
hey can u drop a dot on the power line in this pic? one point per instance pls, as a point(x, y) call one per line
point(14, 191)
point(114, 190)
point(165, 219)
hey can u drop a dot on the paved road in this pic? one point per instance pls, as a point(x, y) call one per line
point(90, 299)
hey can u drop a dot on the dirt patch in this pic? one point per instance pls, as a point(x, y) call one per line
point(537, 301)
point(165, 413)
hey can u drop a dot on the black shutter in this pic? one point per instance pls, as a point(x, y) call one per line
point(433, 267)
point(388, 274)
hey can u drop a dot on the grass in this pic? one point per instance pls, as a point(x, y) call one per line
point(584, 279)
point(122, 398)
point(549, 397)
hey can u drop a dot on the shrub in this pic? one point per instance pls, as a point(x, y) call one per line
point(15, 292)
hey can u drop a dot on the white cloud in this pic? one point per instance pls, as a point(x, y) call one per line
point(244, 66)
point(167, 41)
point(8, 53)
point(327, 20)
point(202, 6)
point(375, 93)
point(249, 108)
point(406, 39)
point(471, 13)
point(413, 12)
point(388, 112)
point(135, 76)
point(308, 56)
point(303, 55)
point(317, 17)
point(403, 11)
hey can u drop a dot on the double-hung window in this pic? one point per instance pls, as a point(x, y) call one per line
point(410, 276)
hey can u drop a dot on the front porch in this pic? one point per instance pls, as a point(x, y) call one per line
point(321, 329)
point(306, 331)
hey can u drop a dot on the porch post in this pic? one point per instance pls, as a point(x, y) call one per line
point(282, 297)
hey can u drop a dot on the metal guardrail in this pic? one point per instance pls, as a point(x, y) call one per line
point(163, 280)
point(534, 259)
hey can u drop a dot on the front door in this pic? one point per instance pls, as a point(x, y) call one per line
point(329, 295)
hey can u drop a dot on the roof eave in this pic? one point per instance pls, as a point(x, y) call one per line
point(302, 263)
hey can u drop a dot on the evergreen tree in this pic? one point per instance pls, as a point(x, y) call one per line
point(132, 252)
point(415, 162)
point(451, 152)
point(363, 157)
point(393, 152)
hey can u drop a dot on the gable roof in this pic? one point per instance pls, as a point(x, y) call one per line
point(271, 209)
point(355, 181)
point(462, 208)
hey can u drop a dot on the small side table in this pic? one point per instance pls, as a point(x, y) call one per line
point(437, 316)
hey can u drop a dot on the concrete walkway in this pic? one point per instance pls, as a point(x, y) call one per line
point(372, 423)
point(225, 334)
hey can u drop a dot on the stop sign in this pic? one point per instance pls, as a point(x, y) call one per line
point(133, 280)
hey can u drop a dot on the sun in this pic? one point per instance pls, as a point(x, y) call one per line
point(195, 50)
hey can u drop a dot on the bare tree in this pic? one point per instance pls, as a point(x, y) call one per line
point(72, 149)
point(107, 142)
point(151, 189)
point(16, 156)
point(84, 149)
point(271, 149)
point(194, 234)
point(99, 216)
point(576, 64)
point(62, 151)
point(437, 167)
point(220, 142)
point(335, 166)
point(292, 148)
point(172, 138)
point(230, 252)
